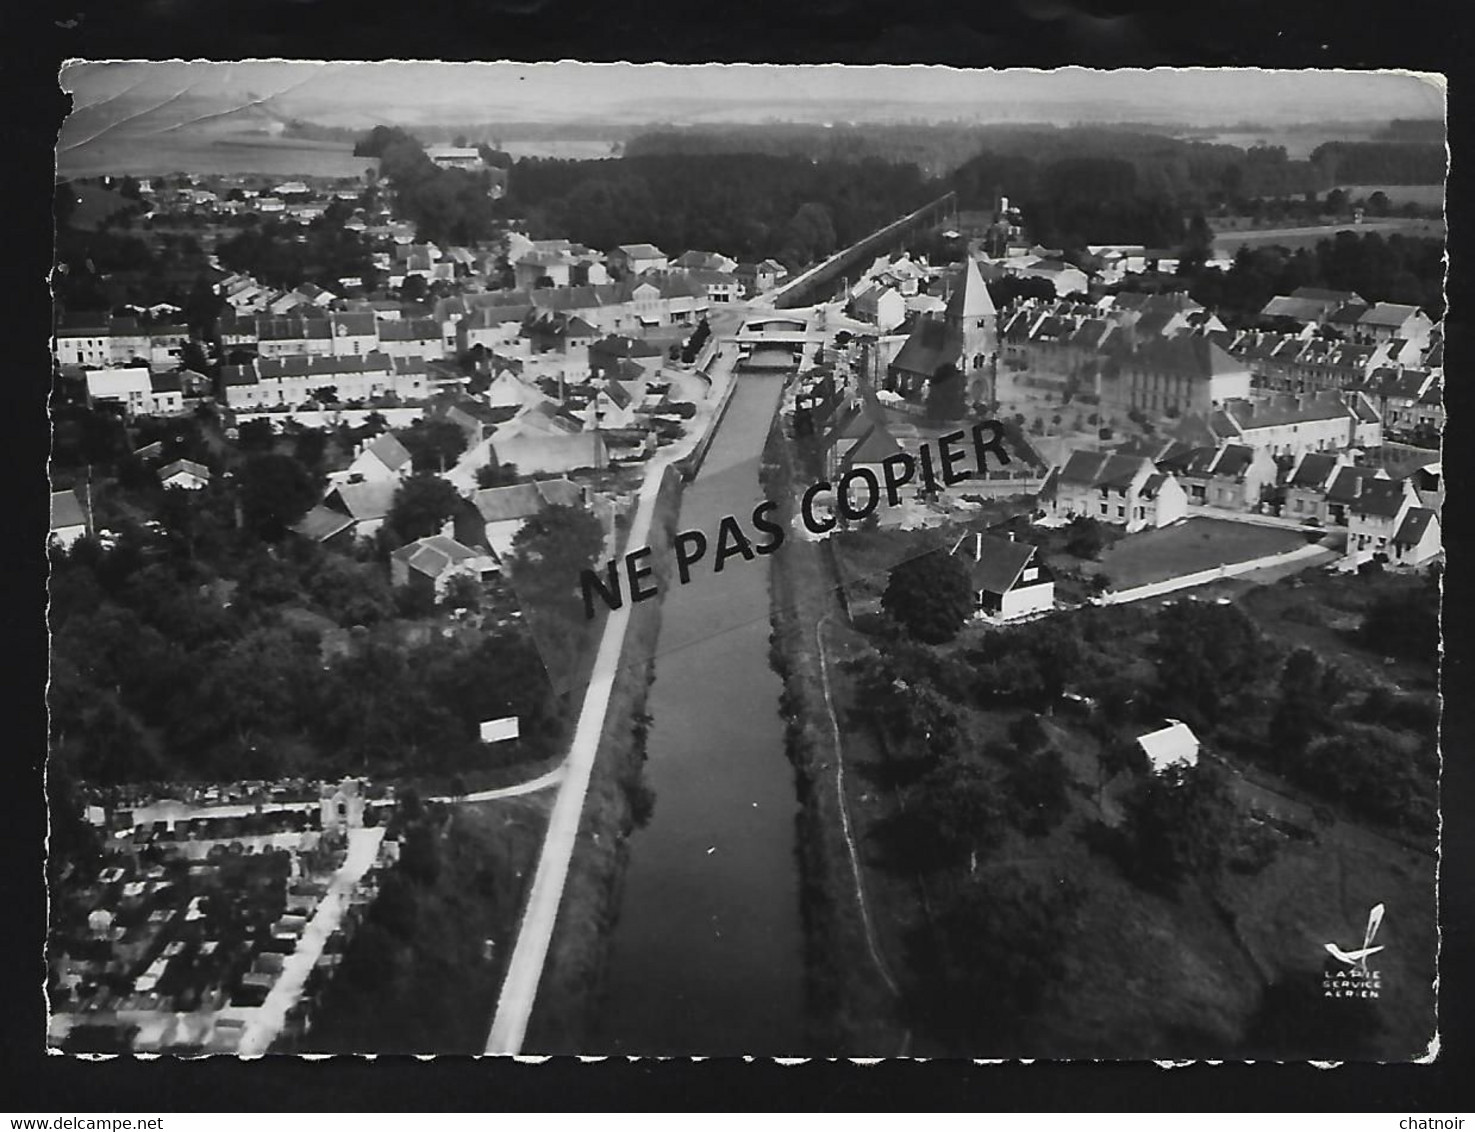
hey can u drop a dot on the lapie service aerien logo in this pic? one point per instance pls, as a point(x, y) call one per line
point(1357, 979)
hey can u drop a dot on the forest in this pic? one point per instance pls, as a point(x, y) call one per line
point(1395, 269)
point(797, 193)
point(193, 644)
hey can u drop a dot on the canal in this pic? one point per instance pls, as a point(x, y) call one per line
point(707, 953)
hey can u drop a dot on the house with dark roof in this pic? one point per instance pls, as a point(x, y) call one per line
point(411, 337)
point(1309, 305)
point(1289, 424)
point(635, 259)
point(1236, 477)
point(1384, 321)
point(1305, 483)
point(1126, 491)
point(380, 460)
point(366, 505)
point(1418, 538)
point(755, 278)
point(607, 353)
point(704, 261)
point(326, 525)
point(431, 562)
point(1376, 517)
point(504, 510)
point(1404, 399)
point(1009, 579)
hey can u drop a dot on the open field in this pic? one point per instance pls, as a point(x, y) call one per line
point(1226, 243)
point(1190, 546)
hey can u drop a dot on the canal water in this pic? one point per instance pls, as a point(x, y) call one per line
point(707, 953)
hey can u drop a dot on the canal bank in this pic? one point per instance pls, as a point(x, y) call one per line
point(852, 996)
point(706, 956)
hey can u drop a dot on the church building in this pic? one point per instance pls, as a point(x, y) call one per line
point(964, 342)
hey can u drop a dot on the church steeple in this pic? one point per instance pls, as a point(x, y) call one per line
point(971, 302)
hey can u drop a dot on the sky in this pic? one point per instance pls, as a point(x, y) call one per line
point(352, 94)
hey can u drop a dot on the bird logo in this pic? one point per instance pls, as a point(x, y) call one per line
point(1358, 958)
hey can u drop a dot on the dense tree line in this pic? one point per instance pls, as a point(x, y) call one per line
point(1381, 162)
point(108, 266)
point(1396, 268)
point(276, 252)
point(193, 651)
point(746, 205)
point(446, 205)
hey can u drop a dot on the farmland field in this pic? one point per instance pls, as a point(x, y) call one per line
point(1228, 242)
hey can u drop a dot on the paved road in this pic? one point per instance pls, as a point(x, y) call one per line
point(531, 786)
point(525, 968)
point(168, 810)
point(264, 1023)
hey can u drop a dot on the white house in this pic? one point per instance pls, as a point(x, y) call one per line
point(132, 388)
point(634, 259)
point(1174, 745)
point(1376, 518)
point(1123, 490)
point(1418, 538)
point(1008, 578)
point(434, 560)
point(381, 460)
point(184, 474)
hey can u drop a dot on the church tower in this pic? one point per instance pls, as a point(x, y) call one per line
point(971, 315)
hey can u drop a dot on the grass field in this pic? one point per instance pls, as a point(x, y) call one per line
point(1197, 544)
point(1228, 242)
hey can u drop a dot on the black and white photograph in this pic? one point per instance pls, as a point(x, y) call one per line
point(746, 560)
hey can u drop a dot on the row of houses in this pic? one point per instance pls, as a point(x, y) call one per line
point(272, 382)
point(1350, 316)
point(1138, 488)
point(102, 339)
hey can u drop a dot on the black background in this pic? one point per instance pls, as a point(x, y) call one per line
point(1041, 33)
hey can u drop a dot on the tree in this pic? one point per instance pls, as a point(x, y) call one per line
point(1085, 537)
point(552, 550)
point(999, 940)
point(496, 475)
point(930, 595)
point(1205, 655)
point(1038, 787)
point(434, 445)
point(697, 340)
point(256, 435)
point(1304, 709)
point(1181, 823)
point(463, 592)
point(959, 806)
point(421, 506)
point(275, 491)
